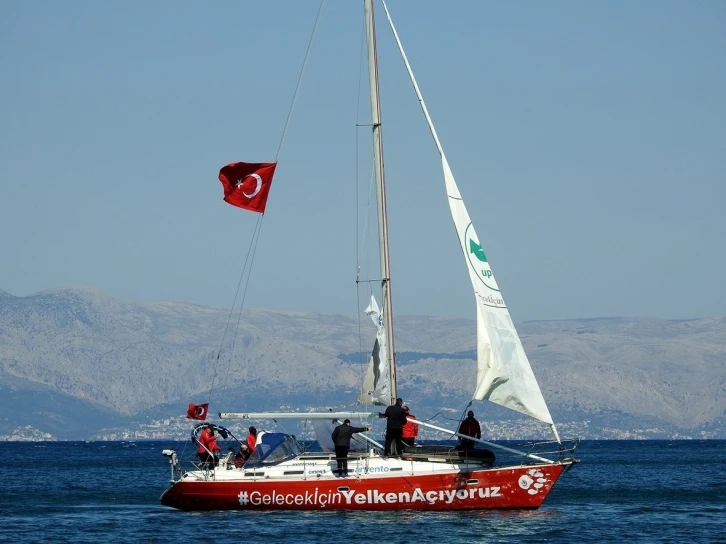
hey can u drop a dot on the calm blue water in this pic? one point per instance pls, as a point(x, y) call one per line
point(622, 491)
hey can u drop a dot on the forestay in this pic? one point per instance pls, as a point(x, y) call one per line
point(504, 375)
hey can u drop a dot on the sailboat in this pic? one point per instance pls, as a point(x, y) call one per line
point(280, 475)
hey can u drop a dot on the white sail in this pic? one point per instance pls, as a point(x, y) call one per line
point(376, 387)
point(504, 375)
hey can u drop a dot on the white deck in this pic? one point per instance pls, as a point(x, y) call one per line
point(322, 466)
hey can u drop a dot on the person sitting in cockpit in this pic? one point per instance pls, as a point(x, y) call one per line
point(242, 455)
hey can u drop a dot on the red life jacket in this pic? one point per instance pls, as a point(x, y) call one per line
point(410, 430)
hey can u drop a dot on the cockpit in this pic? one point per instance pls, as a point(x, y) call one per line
point(273, 448)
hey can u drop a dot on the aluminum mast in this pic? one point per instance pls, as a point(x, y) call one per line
point(381, 195)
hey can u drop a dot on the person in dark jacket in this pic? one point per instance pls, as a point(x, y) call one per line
point(469, 427)
point(242, 455)
point(394, 428)
point(341, 439)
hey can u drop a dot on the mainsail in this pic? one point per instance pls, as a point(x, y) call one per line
point(376, 387)
point(504, 375)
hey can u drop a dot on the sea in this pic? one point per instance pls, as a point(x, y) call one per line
point(620, 491)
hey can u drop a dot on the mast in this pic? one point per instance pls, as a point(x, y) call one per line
point(381, 194)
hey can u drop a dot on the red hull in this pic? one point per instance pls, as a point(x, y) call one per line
point(506, 488)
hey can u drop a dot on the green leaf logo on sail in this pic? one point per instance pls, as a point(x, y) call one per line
point(480, 266)
point(477, 251)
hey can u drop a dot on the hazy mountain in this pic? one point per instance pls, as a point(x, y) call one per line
point(73, 361)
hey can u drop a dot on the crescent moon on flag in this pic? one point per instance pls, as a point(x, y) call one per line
point(257, 189)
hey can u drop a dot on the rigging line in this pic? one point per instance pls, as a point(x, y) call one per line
point(248, 260)
point(371, 188)
point(452, 434)
point(363, 251)
point(361, 365)
point(362, 237)
point(357, 153)
point(437, 414)
point(363, 68)
point(299, 80)
point(414, 82)
point(242, 303)
point(258, 226)
point(363, 360)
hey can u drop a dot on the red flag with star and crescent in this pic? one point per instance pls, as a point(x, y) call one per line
point(247, 184)
point(198, 411)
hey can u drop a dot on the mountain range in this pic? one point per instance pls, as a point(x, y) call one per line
point(76, 362)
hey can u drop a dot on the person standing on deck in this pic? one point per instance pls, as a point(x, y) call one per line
point(394, 428)
point(410, 430)
point(341, 439)
point(469, 427)
point(207, 448)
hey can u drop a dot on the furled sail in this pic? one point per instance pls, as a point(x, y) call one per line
point(504, 375)
point(376, 388)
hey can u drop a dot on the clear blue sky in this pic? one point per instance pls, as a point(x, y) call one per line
point(588, 140)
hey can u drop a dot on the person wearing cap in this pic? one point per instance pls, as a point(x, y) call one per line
point(341, 440)
point(469, 427)
point(252, 439)
point(207, 447)
point(410, 429)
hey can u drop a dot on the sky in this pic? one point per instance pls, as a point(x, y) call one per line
point(588, 140)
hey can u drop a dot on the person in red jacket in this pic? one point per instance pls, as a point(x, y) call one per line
point(252, 439)
point(410, 430)
point(469, 427)
point(207, 448)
